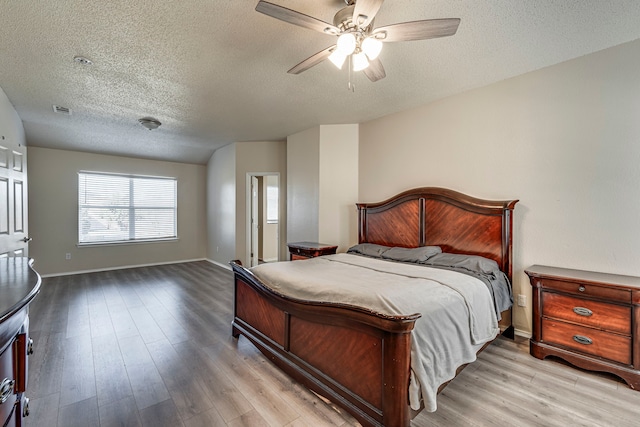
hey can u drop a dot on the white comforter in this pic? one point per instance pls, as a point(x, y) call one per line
point(457, 310)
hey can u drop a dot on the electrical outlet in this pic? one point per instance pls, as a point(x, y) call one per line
point(67, 255)
point(522, 300)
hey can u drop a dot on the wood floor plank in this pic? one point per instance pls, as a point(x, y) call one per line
point(80, 414)
point(78, 375)
point(112, 380)
point(175, 356)
point(121, 413)
point(43, 411)
point(46, 364)
point(123, 324)
point(162, 414)
point(146, 382)
point(250, 419)
point(266, 401)
point(186, 390)
point(227, 399)
point(210, 418)
point(310, 407)
point(147, 326)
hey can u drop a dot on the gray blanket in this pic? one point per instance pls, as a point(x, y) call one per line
point(458, 314)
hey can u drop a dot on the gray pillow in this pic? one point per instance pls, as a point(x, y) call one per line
point(420, 254)
point(473, 263)
point(368, 249)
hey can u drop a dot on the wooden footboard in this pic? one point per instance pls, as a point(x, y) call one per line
point(357, 359)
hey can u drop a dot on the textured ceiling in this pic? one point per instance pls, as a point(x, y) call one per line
point(214, 72)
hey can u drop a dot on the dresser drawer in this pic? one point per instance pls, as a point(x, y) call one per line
point(586, 340)
point(608, 293)
point(6, 376)
point(611, 317)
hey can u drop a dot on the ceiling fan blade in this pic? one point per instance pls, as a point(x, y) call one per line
point(312, 60)
point(365, 11)
point(296, 18)
point(375, 70)
point(417, 30)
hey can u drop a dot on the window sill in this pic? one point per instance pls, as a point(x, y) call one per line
point(126, 242)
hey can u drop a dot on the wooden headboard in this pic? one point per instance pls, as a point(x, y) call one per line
point(440, 217)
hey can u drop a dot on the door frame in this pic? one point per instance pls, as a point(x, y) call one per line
point(248, 211)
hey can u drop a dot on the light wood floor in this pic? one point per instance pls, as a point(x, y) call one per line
point(153, 347)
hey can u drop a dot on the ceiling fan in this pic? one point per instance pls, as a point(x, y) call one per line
point(358, 40)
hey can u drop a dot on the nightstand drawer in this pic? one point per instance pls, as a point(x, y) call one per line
point(586, 340)
point(611, 317)
point(608, 293)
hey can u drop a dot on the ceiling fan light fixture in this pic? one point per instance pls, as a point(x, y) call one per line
point(360, 61)
point(150, 123)
point(371, 47)
point(337, 58)
point(346, 44)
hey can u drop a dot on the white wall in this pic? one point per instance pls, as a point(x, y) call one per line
point(565, 140)
point(10, 124)
point(322, 165)
point(221, 205)
point(53, 212)
point(258, 157)
point(338, 194)
point(303, 185)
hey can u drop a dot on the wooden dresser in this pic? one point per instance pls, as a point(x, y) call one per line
point(589, 319)
point(305, 250)
point(19, 284)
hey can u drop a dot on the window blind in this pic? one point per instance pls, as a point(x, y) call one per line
point(122, 208)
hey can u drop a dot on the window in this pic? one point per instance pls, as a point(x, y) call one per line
point(272, 199)
point(125, 208)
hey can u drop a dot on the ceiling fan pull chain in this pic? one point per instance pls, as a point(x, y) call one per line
point(350, 86)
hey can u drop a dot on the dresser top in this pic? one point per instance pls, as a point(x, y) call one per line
point(544, 271)
point(19, 284)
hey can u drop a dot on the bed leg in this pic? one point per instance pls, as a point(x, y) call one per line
point(397, 356)
point(509, 333)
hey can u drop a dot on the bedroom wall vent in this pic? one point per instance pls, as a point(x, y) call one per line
point(62, 110)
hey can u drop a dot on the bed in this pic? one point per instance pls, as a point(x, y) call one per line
point(357, 357)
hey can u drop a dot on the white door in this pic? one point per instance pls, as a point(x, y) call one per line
point(14, 239)
point(254, 221)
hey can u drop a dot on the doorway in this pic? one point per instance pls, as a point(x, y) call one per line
point(14, 221)
point(263, 218)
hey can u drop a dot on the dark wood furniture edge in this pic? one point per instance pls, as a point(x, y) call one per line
point(541, 350)
point(394, 410)
point(27, 299)
point(393, 331)
point(502, 208)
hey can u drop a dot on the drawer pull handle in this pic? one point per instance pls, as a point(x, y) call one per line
point(581, 339)
point(582, 311)
point(582, 289)
point(25, 407)
point(6, 389)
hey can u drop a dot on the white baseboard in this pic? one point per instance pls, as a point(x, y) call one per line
point(219, 264)
point(521, 333)
point(123, 267)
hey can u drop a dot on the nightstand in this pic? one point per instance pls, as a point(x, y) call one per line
point(305, 250)
point(591, 320)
